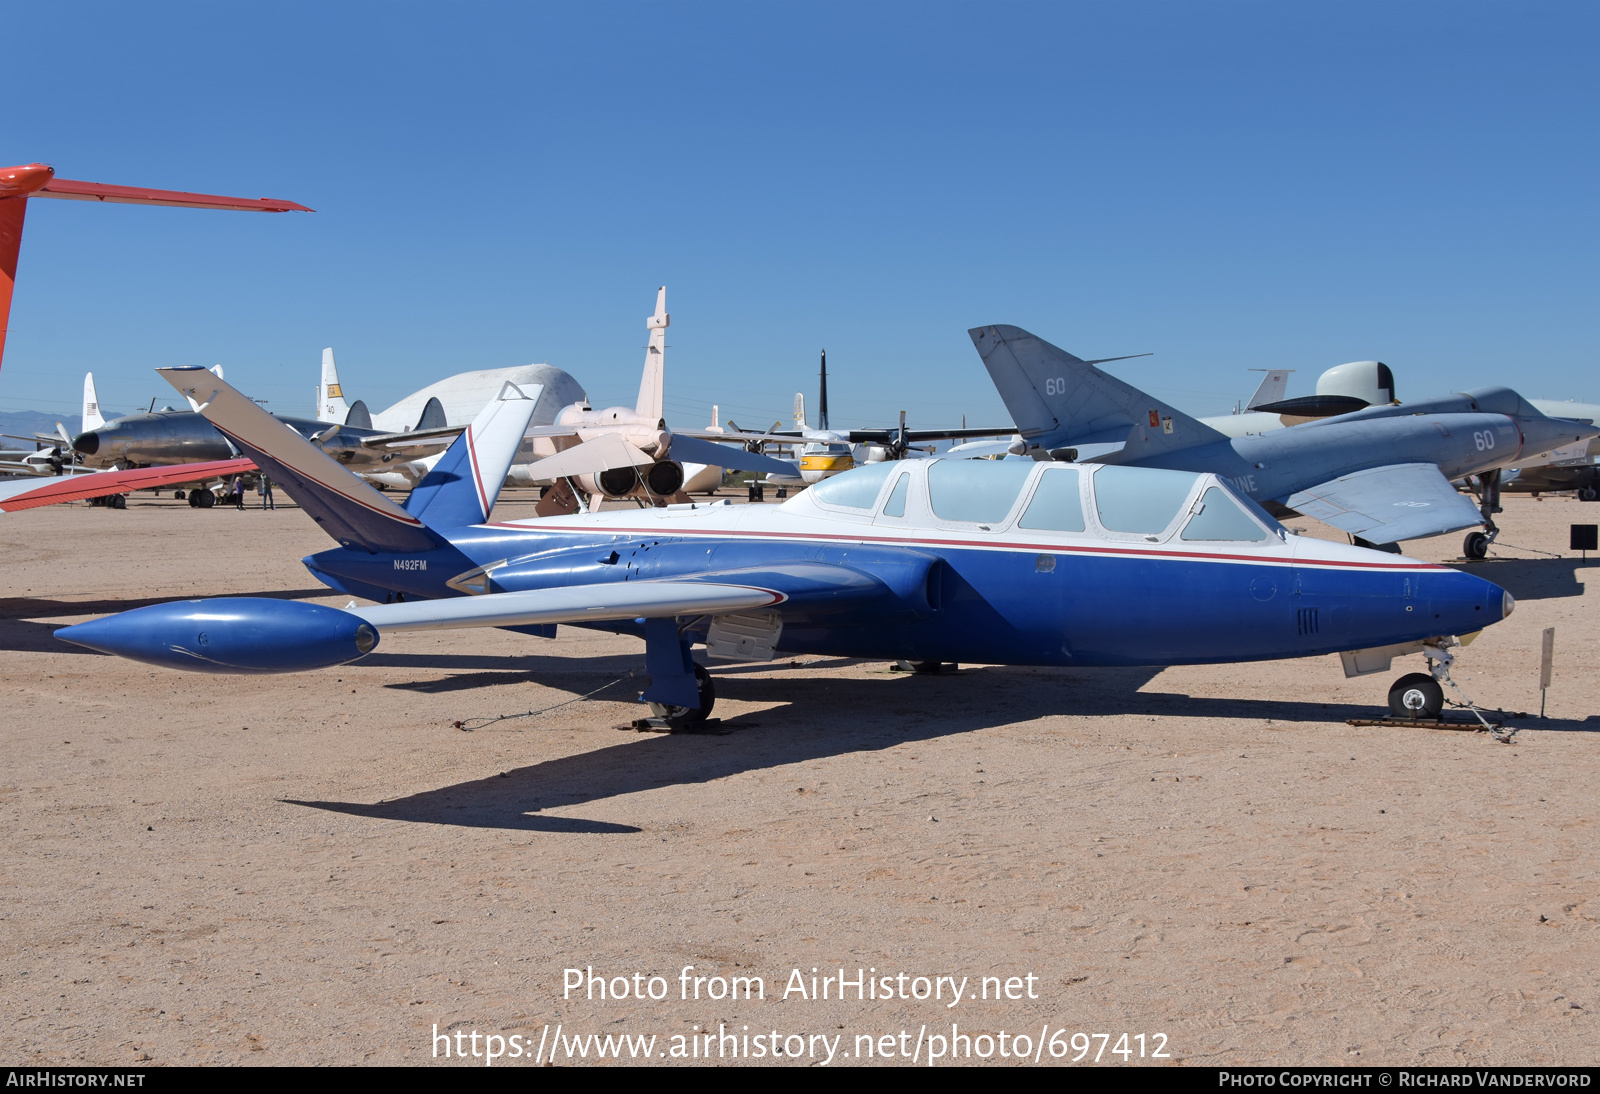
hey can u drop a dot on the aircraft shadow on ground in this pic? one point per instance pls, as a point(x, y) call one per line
point(1529, 578)
point(561, 673)
point(806, 723)
point(20, 630)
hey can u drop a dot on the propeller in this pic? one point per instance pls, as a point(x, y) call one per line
point(899, 443)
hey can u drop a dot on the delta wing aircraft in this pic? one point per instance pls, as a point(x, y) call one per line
point(628, 452)
point(1381, 474)
point(1014, 562)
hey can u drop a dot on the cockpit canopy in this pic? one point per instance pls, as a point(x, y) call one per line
point(1112, 502)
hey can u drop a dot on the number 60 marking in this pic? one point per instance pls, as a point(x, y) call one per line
point(1058, 386)
point(1484, 440)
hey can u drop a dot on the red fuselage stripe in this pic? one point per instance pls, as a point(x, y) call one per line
point(1049, 548)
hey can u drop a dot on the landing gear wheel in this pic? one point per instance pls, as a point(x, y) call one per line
point(208, 500)
point(688, 716)
point(1418, 696)
point(1588, 493)
point(1476, 546)
point(117, 501)
point(177, 495)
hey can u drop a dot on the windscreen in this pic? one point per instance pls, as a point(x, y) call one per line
point(1218, 517)
point(854, 489)
point(1141, 500)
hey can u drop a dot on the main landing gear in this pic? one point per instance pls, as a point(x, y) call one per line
point(681, 693)
point(1476, 546)
point(677, 717)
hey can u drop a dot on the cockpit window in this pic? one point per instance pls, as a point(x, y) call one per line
point(1219, 517)
point(896, 505)
point(854, 489)
point(1056, 506)
point(1502, 400)
point(1140, 500)
point(976, 491)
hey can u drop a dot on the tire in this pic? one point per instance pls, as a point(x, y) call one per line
point(1416, 695)
point(194, 499)
point(1476, 546)
point(117, 501)
point(688, 716)
point(208, 500)
point(178, 495)
point(1588, 493)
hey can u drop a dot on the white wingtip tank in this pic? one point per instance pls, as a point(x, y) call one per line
point(331, 406)
point(652, 384)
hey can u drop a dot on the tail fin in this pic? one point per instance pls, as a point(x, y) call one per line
point(359, 417)
point(1057, 399)
point(92, 418)
point(800, 411)
point(348, 509)
point(652, 385)
point(1273, 385)
point(462, 487)
point(433, 416)
point(331, 406)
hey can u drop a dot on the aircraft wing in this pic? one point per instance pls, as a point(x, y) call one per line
point(973, 450)
point(687, 448)
point(73, 190)
point(884, 436)
point(29, 495)
point(432, 439)
point(1389, 504)
point(602, 453)
point(739, 435)
point(573, 604)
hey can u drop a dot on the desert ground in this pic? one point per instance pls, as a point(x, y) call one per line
point(323, 868)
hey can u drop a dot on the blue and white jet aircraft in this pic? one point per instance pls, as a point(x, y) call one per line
point(1010, 562)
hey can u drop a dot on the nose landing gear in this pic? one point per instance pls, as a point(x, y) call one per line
point(1417, 696)
point(1476, 546)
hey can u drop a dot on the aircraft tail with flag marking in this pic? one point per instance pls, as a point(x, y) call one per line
point(1057, 399)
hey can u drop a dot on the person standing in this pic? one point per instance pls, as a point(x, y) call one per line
point(238, 493)
point(266, 494)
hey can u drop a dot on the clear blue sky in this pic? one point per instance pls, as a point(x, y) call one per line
point(1230, 185)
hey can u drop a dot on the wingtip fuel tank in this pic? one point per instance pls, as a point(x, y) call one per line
point(230, 635)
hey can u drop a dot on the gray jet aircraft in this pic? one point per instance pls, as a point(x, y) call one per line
point(169, 436)
point(1381, 474)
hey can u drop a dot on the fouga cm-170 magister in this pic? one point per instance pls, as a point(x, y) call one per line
point(1010, 562)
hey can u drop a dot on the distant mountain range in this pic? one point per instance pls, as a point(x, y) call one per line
point(25, 423)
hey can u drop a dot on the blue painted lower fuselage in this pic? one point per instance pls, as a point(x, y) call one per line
point(937, 602)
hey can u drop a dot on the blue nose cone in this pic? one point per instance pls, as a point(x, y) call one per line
point(230, 635)
point(1458, 603)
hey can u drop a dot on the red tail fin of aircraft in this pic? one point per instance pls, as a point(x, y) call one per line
point(18, 184)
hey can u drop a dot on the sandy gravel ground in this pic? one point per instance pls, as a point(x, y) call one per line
point(321, 869)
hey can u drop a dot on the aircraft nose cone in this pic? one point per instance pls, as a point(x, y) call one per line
point(87, 443)
point(94, 635)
